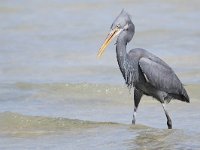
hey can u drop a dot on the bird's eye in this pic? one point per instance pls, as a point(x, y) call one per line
point(118, 26)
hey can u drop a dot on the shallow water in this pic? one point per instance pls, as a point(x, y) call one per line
point(88, 116)
point(19, 131)
point(55, 94)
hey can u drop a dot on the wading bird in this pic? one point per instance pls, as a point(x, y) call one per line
point(143, 71)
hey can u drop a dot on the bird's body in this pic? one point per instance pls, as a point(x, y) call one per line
point(143, 71)
point(139, 71)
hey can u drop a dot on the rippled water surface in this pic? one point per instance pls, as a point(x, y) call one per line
point(55, 94)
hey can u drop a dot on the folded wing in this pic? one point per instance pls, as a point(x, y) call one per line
point(162, 77)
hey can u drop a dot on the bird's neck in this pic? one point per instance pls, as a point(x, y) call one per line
point(122, 55)
point(122, 41)
point(121, 51)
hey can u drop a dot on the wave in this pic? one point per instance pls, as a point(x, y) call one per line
point(83, 91)
point(15, 123)
point(91, 91)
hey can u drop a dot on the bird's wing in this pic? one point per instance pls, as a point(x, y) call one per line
point(160, 76)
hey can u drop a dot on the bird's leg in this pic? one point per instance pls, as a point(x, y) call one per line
point(134, 115)
point(137, 98)
point(169, 121)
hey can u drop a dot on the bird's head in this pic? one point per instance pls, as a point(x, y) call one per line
point(121, 26)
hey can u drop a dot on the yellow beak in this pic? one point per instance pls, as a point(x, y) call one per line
point(111, 36)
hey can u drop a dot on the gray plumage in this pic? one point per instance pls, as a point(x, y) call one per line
point(143, 71)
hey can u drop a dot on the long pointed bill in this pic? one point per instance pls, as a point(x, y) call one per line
point(111, 35)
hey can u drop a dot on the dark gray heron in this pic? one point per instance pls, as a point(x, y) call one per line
point(143, 71)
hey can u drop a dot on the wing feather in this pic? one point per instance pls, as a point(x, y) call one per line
point(160, 76)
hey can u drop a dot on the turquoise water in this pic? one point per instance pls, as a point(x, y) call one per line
point(55, 94)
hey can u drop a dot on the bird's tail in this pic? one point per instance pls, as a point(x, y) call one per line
point(184, 96)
